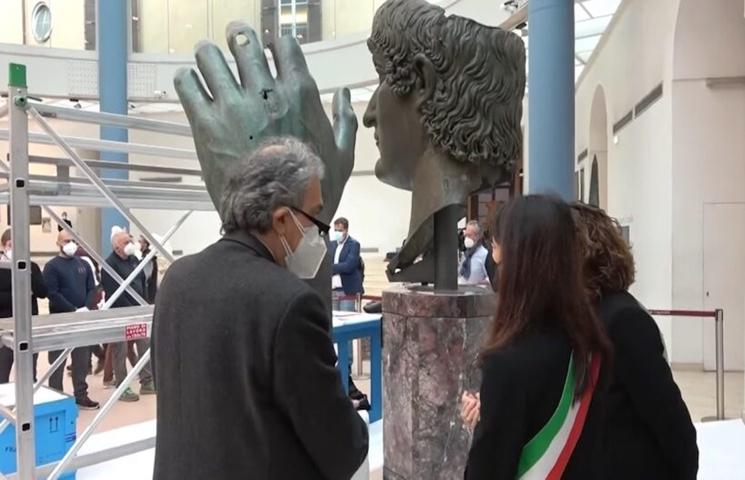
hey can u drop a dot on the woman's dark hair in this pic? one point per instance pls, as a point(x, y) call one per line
point(541, 283)
point(606, 257)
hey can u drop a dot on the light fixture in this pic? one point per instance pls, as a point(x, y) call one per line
point(615, 140)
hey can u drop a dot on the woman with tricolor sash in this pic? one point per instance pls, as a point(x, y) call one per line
point(539, 415)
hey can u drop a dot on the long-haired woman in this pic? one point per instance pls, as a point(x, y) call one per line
point(649, 433)
point(539, 417)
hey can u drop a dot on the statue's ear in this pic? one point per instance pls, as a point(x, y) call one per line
point(426, 78)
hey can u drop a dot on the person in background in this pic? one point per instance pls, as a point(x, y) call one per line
point(472, 269)
point(347, 273)
point(238, 333)
point(124, 262)
point(151, 271)
point(545, 349)
point(649, 432)
point(38, 290)
point(70, 288)
point(66, 220)
point(346, 282)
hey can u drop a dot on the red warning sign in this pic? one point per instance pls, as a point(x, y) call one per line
point(135, 331)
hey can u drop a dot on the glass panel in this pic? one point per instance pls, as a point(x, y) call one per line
point(354, 16)
point(580, 13)
point(226, 11)
point(188, 23)
point(598, 8)
point(586, 44)
point(590, 27)
point(149, 26)
point(51, 23)
point(585, 56)
point(11, 28)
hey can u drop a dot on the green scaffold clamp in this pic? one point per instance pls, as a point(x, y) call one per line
point(17, 79)
point(17, 75)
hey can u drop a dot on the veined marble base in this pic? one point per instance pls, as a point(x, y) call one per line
point(431, 341)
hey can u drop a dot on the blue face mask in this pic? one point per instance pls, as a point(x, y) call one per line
point(336, 236)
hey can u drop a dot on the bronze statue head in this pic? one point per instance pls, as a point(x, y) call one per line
point(447, 110)
point(447, 81)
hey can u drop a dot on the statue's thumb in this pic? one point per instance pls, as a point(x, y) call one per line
point(345, 121)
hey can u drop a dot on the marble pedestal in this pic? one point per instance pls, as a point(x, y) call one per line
point(430, 344)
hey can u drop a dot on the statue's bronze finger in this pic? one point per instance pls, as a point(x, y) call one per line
point(194, 98)
point(215, 70)
point(290, 61)
point(250, 59)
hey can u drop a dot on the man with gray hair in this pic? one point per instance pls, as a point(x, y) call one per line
point(244, 361)
point(472, 269)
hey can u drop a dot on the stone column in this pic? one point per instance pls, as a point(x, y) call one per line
point(430, 344)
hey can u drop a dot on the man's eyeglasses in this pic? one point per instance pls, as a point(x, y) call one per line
point(322, 227)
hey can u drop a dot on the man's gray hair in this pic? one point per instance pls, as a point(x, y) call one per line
point(276, 174)
point(476, 226)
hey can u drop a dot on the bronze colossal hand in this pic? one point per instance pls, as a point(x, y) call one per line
point(230, 120)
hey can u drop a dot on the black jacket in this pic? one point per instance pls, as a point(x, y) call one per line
point(246, 376)
point(38, 290)
point(124, 267)
point(520, 390)
point(649, 430)
point(151, 282)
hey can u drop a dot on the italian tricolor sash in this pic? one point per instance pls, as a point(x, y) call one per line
point(546, 455)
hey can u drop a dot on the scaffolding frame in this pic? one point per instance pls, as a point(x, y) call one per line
point(68, 330)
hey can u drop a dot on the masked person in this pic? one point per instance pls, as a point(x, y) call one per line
point(38, 290)
point(243, 356)
point(472, 269)
point(123, 260)
point(70, 288)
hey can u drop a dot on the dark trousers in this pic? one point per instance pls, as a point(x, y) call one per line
point(6, 363)
point(120, 352)
point(81, 357)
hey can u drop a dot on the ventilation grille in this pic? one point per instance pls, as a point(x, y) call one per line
point(141, 80)
point(82, 79)
point(625, 120)
point(582, 155)
point(648, 100)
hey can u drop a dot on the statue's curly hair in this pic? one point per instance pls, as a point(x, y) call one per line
point(474, 114)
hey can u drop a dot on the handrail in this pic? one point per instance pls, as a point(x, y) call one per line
point(718, 316)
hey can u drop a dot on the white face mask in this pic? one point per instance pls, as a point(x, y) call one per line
point(130, 249)
point(468, 242)
point(70, 248)
point(307, 257)
point(336, 236)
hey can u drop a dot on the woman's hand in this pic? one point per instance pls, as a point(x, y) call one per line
point(470, 408)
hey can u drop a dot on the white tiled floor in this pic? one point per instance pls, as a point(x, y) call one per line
point(698, 390)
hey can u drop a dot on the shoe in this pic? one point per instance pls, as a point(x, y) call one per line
point(107, 384)
point(86, 403)
point(129, 396)
point(147, 388)
point(99, 367)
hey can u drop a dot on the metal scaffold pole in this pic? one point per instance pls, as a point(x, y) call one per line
point(21, 271)
point(66, 331)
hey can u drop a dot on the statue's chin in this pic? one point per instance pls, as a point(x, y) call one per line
point(386, 174)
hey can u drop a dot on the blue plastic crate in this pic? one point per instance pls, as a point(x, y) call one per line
point(56, 415)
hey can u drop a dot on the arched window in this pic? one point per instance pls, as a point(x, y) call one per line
point(594, 197)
